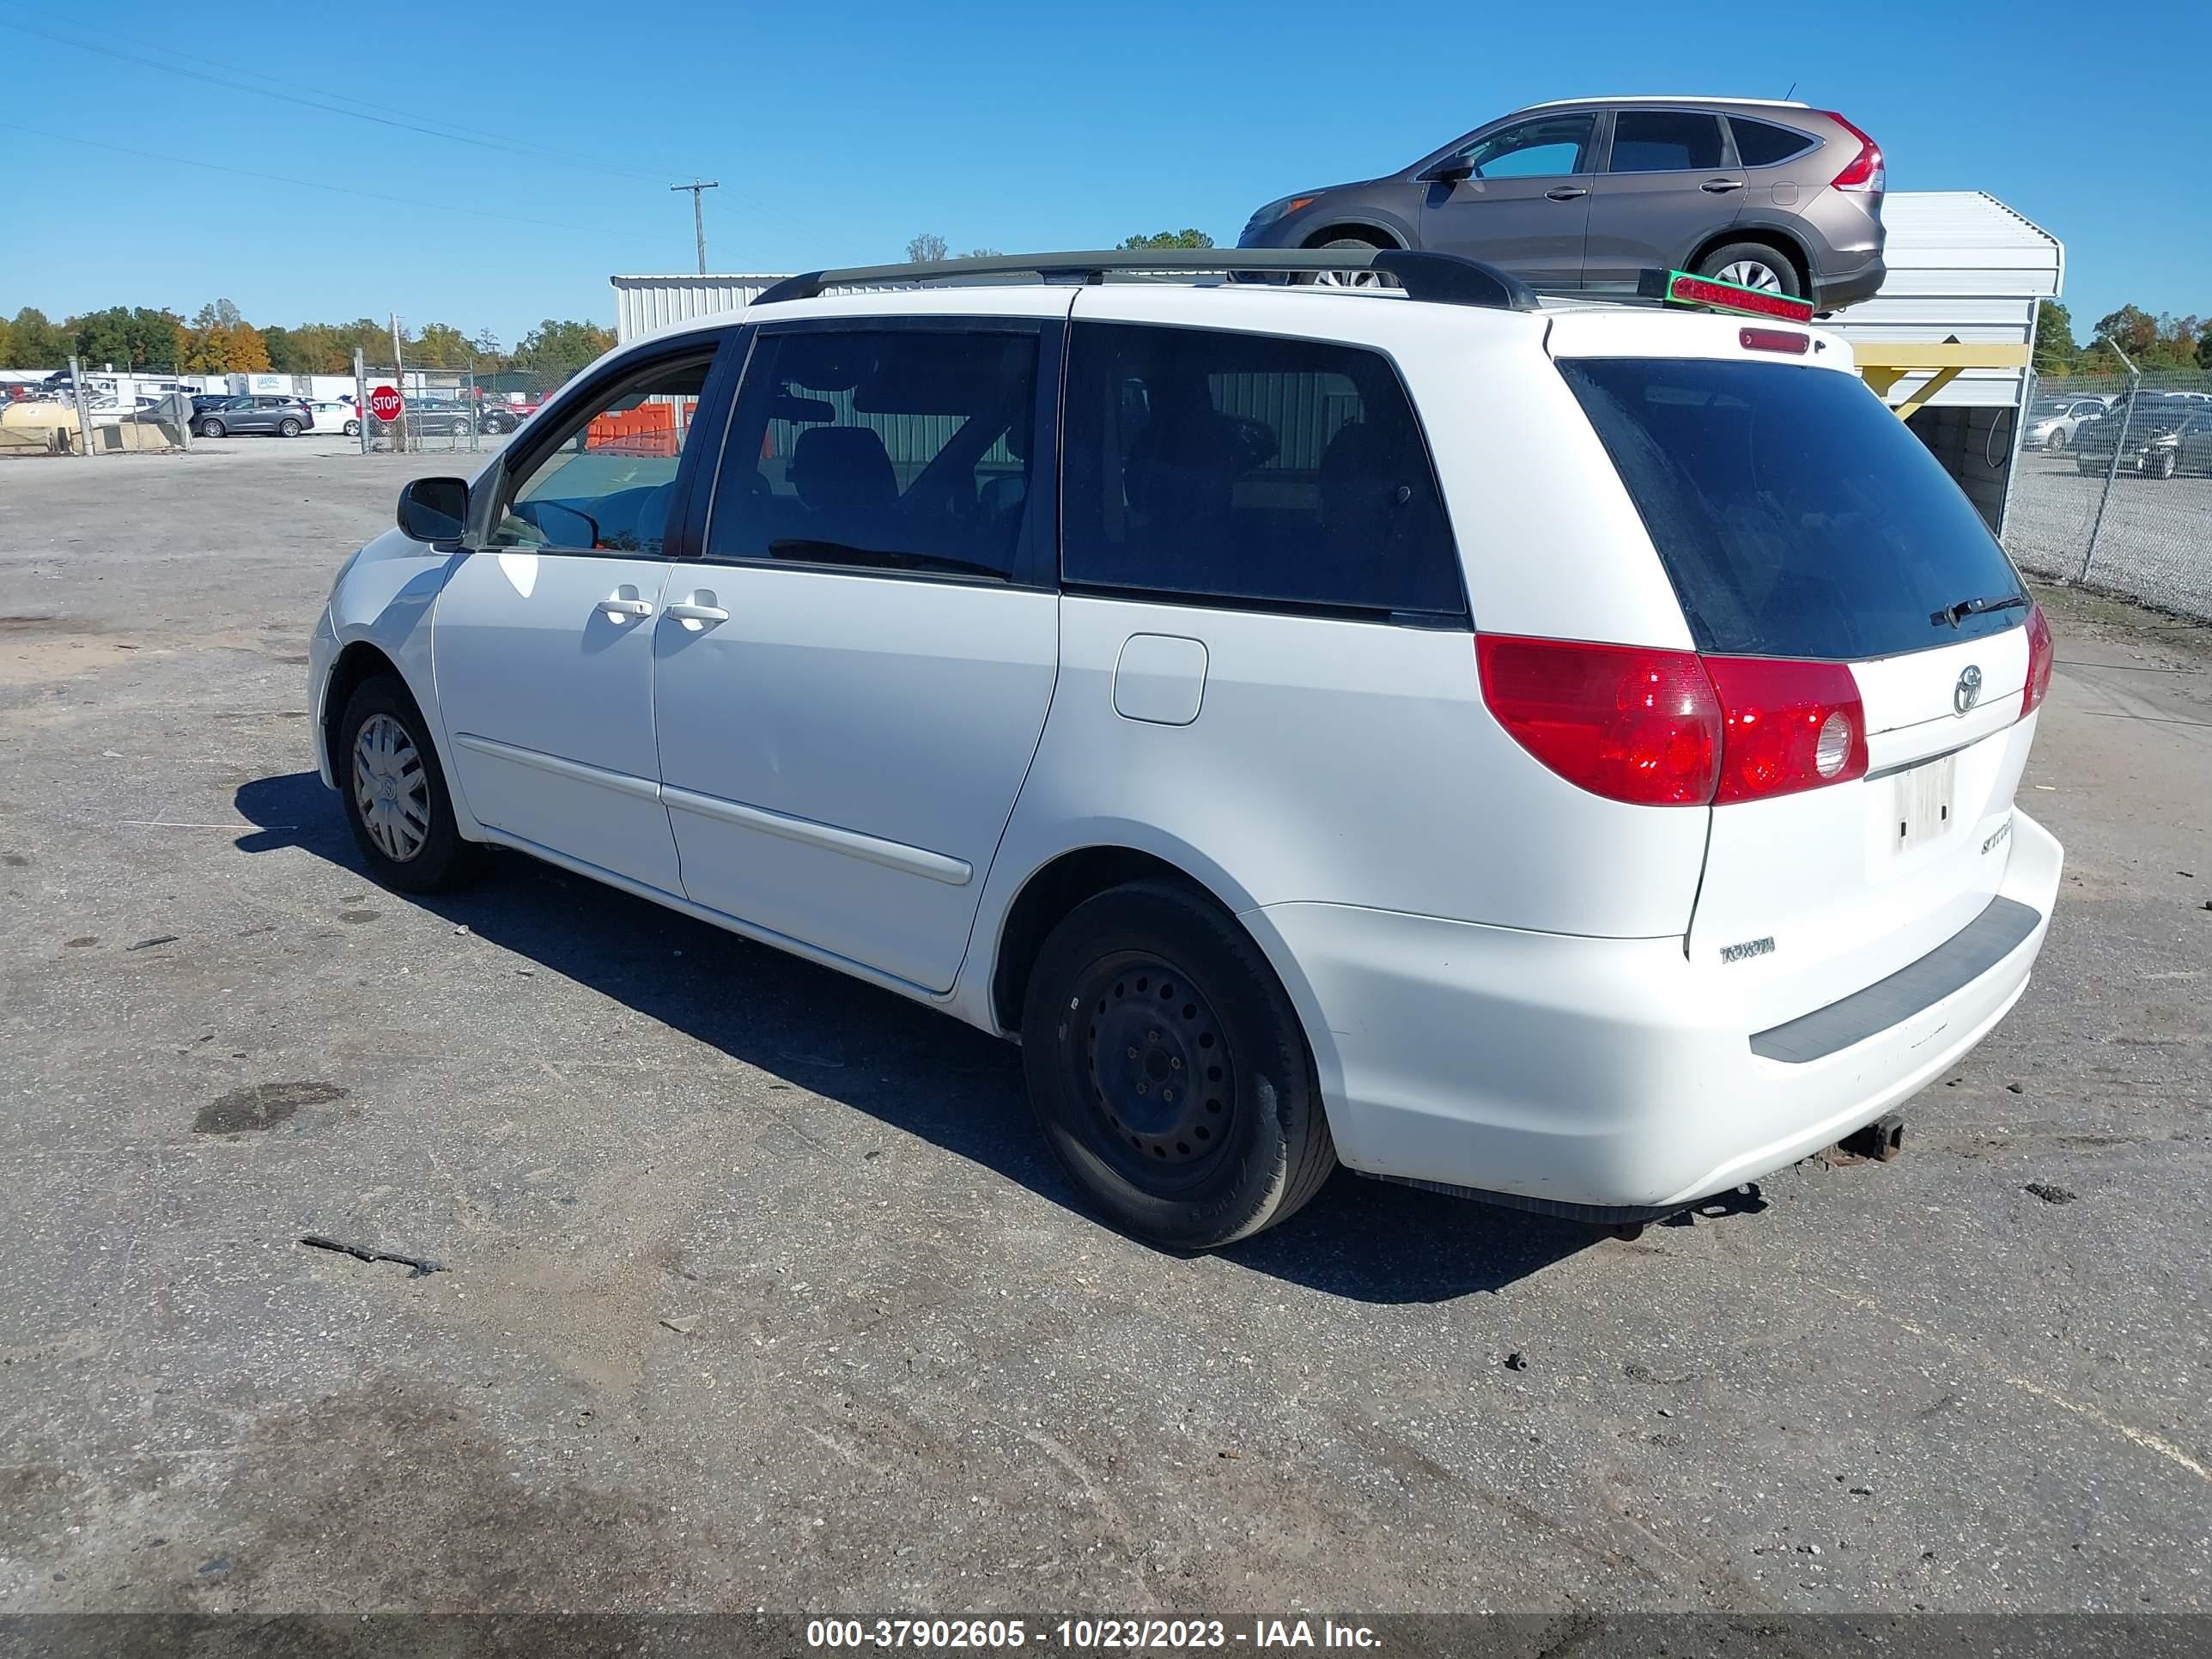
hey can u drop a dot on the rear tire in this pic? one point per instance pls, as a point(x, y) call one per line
point(1170, 1072)
point(1757, 265)
point(353, 429)
point(287, 428)
point(2166, 467)
point(396, 800)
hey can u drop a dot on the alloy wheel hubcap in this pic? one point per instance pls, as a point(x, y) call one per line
point(390, 789)
point(1749, 273)
point(1157, 1065)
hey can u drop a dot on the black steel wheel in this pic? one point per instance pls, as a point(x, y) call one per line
point(1169, 1070)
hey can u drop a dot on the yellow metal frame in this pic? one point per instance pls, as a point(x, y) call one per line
point(1883, 364)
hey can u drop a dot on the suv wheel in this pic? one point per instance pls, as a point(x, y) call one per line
point(396, 801)
point(1342, 278)
point(288, 428)
point(1752, 265)
point(1169, 1071)
point(211, 429)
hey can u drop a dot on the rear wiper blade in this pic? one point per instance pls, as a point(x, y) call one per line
point(1956, 614)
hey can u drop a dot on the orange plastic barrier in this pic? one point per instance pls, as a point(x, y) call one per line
point(648, 429)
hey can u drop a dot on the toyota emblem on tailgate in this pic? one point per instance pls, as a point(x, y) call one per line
point(1968, 691)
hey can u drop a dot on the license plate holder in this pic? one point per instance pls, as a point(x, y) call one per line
point(1922, 805)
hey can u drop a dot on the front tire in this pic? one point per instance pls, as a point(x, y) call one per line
point(1170, 1072)
point(396, 800)
point(2055, 443)
point(212, 429)
point(1342, 278)
point(2165, 467)
point(1755, 265)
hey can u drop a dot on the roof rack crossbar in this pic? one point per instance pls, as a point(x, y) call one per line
point(1442, 277)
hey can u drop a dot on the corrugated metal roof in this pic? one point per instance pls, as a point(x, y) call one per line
point(1963, 266)
point(643, 304)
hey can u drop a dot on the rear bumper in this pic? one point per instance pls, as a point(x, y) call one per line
point(1606, 1074)
point(1834, 290)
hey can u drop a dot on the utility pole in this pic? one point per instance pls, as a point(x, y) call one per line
point(399, 386)
point(698, 216)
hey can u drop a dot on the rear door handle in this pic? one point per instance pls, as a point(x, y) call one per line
point(691, 611)
point(615, 605)
point(1565, 192)
point(1722, 186)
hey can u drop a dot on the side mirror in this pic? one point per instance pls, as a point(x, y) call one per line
point(435, 509)
point(1449, 172)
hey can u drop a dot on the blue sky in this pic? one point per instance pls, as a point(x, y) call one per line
point(840, 129)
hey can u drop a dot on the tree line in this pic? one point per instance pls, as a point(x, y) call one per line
point(217, 340)
point(2152, 343)
point(929, 247)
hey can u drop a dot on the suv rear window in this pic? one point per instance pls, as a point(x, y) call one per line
point(1796, 515)
point(1249, 468)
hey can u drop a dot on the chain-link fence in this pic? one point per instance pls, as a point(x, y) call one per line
point(78, 412)
point(2114, 486)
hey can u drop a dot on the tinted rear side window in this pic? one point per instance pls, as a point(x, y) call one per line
point(1796, 515)
point(1665, 141)
point(1761, 143)
point(1245, 467)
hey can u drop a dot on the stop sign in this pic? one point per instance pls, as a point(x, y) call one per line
point(383, 404)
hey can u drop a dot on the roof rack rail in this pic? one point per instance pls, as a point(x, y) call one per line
point(1445, 278)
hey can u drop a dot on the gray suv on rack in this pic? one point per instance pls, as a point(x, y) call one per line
point(1580, 196)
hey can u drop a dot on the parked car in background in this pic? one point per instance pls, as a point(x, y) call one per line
point(1585, 193)
point(435, 417)
point(2146, 430)
point(499, 417)
point(284, 417)
point(2053, 422)
point(1158, 734)
point(335, 414)
point(2187, 448)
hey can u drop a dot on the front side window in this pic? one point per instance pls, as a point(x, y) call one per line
point(891, 449)
point(1665, 141)
point(607, 484)
point(1550, 147)
point(1249, 468)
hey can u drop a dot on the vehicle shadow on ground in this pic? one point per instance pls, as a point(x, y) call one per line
point(906, 1065)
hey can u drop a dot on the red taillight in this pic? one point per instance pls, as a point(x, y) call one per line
point(1774, 339)
point(2041, 654)
point(1865, 170)
point(1622, 721)
point(1668, 728)
point(1787, 725)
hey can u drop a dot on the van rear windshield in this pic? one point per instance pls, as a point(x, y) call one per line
point(1796, 515)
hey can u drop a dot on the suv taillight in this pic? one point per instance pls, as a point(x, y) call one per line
point(1865, 170)
point(1658, 727)
point(2041, 654)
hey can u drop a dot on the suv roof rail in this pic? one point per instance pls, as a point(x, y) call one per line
point(1445, 278)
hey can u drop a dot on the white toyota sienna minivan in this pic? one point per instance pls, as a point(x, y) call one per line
point(1562, 753)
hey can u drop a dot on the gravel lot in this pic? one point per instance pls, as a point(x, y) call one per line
point(760, 1291)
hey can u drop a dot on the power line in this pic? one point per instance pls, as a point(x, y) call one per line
point(445, 132)
point(304, 184)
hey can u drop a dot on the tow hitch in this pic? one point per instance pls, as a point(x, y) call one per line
point(1883, 1140)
